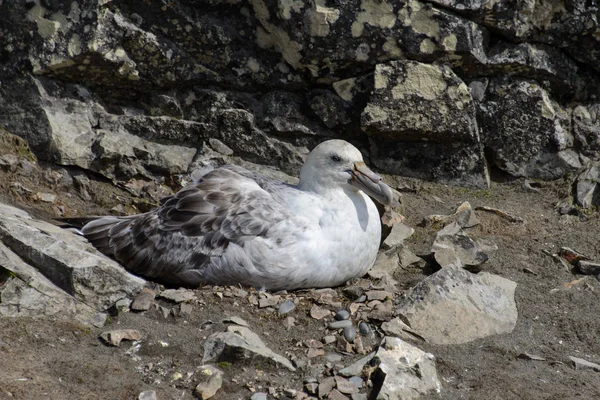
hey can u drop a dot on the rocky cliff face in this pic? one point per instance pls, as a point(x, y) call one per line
point(437, 90)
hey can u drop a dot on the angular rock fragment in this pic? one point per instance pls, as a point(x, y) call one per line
point(143, 300)
point(115, 337)
point(452, 247)
point(403, 371)
point(239, 342)
point(177, 295)
point(211, 380)
point(455, 306)
point(66, 259)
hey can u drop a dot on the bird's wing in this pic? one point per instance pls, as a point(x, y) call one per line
point(190, 227)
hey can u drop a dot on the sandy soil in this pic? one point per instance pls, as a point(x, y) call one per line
point(558, 315)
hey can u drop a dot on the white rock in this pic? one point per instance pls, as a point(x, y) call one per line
point(455, 306)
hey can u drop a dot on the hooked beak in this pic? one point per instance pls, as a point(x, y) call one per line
point(370, 183)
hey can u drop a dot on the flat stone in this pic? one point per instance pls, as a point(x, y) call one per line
point(270, 301)
point(286, 307)
point(588, 267)
point(339, 324)
point(66, 259)
point(336, 395)
point(396, 327)
point(580, 363)
point(452, 247)
point(319, 313)
point(177, 295)
point(115, 337)
point(379, 295)
point(314, 352)
point(243, 343)
point(454, 306)
point(210, 381)
point(236, 320)
point(345, 386)
point(383, 311)
point(147, 395)
point(399, 233)
point(325, 386)
point(143, 300)
point(357, 367)
point(259, 396)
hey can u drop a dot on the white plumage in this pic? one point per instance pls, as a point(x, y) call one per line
point(235, 226)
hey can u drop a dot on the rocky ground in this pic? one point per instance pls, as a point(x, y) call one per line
point(181, 344)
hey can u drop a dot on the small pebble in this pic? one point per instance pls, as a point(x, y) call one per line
point(333, 357)
point(340, 324)
point(286, 307)
point(259, 396)
point(349, 333)
point(361, 299)
point(329, 339)
point(364, 328)
point(341, 315)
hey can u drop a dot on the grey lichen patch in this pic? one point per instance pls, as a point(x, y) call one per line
point(270, 35)
point(460, 94)
point(321, 17)
point(424, 80)
point(46, 28)
point(427, 46)
point(391, 47)
point(253, 65)
point(374, 113)
point(344, 88)
point(287, 6)
point(74, 47)
point(362, 52)
point(419, 16)
point(547, 108)
point(375, 13)
point(449, 43)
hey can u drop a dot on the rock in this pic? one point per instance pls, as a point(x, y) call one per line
point(242, 343)
point(336, 395)
point(311, 387)
point(382, 311)
point(345, 386)
point(587, 191)
point(325, 386)
point(396, 237)
point(404, 371)
point(396, 327)
point(455, 306)
point(148, 395)
point(143, 300)
point(572, 256)
point(349, 333)
point(416, 101)
point(357, 367)
point(341, 315)
point(319, 313)
point(452, 247)
point(66, 259)
point(286, 307)
point(364, 328)
point(178, 295)
point(525, 131)
point(339, 324)
point(379, 295)
point(588, 267)
point(259, 396)
point(210, 381)
point(313, 352)
point(115, 337)
point(527, 356)
point(580, 363)
point(503, 214)
point(463, 216)
point(269, 301)
point(26, 292)
point(236, 320)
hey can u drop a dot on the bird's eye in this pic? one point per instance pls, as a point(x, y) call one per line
point(336, 158)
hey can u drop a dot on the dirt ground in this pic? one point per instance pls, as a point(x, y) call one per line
point(558, 315)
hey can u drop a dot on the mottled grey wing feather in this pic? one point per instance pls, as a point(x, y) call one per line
point(191, 228)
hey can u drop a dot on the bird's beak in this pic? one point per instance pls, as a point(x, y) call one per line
point(370, 183)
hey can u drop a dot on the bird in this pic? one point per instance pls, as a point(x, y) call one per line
point(234, 226)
